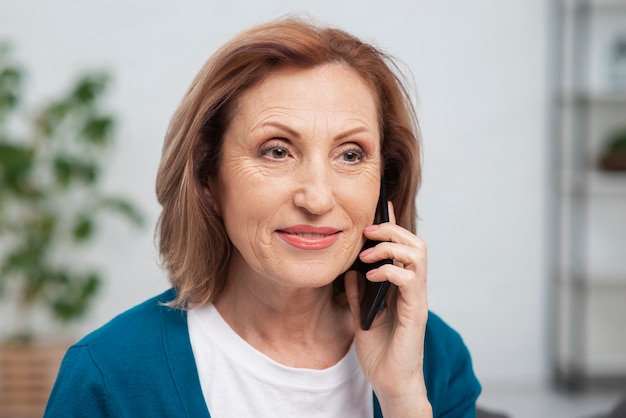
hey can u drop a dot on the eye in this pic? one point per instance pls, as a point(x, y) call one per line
point(278, 153)
point(353, 155)
point(275, 151)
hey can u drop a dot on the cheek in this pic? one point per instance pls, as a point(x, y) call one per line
point(359, 199)
point(248, 202)
point(237, 190)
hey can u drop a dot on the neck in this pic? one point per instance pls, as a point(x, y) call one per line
point(297, 327)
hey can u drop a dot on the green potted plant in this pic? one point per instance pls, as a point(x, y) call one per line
point(51, 202)
point(613, 156)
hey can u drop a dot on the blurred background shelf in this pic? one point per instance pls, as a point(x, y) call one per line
point(589, 284)
point(609, 97)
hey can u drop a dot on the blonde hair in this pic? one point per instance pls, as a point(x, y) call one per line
point(194, 247)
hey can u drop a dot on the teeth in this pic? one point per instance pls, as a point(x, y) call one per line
point(311, 235)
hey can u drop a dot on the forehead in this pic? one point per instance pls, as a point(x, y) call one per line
point(331, 88)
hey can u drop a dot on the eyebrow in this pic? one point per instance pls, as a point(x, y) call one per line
point(350, 132)
point(295, 134)
point(281, 126)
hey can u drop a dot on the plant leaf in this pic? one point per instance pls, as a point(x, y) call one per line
point(74, 294)
point(123, 207)
point(83, 229)
point(98, 130)
point(68, 169)
point(89, 87)
point(16, 163)
point(10, 88)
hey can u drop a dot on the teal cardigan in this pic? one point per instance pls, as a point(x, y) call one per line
point(141, 365)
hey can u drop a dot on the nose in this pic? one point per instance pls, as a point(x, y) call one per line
point(315, 192)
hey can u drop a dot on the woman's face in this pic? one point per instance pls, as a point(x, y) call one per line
point(300, 175)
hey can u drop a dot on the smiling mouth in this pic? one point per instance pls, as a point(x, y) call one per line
point(306, 240)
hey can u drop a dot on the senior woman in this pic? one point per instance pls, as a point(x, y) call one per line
point(269, 182)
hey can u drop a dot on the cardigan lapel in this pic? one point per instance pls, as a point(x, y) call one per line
point(181, 362)
point(377, 411)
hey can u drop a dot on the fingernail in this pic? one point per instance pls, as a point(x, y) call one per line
point(370, 272)
point(371, 228)
point(367, 251)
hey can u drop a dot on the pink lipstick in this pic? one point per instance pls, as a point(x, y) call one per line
point(307, 237)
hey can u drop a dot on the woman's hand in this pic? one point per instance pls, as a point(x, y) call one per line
point(391, 352)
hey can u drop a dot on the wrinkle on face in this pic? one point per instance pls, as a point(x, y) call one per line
point(316, 112)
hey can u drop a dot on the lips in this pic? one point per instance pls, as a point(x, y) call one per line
point(307, 237)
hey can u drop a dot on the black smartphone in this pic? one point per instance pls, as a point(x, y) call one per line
point(374, 292)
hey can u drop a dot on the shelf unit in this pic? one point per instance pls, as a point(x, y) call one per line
point(589, 285)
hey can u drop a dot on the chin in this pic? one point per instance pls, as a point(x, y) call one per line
point(309, 276)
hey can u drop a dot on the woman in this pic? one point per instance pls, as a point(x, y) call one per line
point(269, 182)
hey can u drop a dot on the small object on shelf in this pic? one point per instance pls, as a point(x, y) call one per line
point(613, 156)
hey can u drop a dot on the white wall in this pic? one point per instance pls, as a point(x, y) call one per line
point(480, 72)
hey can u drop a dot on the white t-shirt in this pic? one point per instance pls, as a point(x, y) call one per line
point(239, 381)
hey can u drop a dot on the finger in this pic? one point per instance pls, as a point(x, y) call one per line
point(407, 287)
point(401, 254)
point(393, 233)
point(397, 275)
